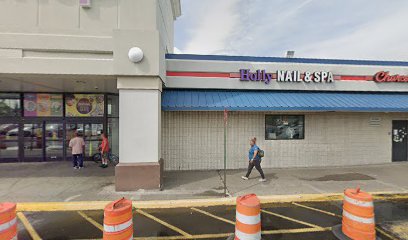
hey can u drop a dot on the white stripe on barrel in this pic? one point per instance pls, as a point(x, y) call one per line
point(248, 219)
point(8, 224)
point(245, 236)
point(358, 219)
point(358, 203)
point(117, 228)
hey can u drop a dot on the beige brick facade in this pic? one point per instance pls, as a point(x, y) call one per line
point(194, 140)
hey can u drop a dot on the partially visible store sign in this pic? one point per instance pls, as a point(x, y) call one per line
point(286, 76)
point(386, 77)
point(84, 105)
point(42, 105)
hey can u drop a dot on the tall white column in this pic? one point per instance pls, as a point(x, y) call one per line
point(139, 125)
point(140, 165)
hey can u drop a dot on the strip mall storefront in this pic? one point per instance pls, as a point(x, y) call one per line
point(67, 67)
point(38, 126)
point(304, 112)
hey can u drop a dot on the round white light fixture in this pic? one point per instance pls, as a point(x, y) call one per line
point(135, 54)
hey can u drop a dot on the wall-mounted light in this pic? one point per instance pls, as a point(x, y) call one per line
point(85, 3)
point(135, 54)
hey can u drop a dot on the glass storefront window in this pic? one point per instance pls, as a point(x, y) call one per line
point(10, 111)
point(93, 132)
point(113, 135)
point(113, 106)
point(113, 123)
point(284, 127)
point(90, 132)
point(33, 127)
point(54, 141)
point(84, 105)
point(92, 138)
point(42, 105)
point(8, 141)
point(10, 105)
point(33, 141)
point(54, 131)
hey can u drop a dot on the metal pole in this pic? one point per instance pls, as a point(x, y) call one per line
point(225, 152)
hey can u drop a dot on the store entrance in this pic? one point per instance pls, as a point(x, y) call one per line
point(399, 140)
point(37, 127)
point(43, 141)
point(48, 140)
point(90, 131)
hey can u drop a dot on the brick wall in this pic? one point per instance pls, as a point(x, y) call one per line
point(194, 140)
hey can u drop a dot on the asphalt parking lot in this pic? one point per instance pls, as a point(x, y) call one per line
point(293, 220)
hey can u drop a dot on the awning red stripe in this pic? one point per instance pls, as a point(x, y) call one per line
point(236, 75)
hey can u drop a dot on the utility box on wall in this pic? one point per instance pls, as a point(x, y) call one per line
point(85, 3)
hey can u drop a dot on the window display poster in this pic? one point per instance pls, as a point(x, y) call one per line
point(42, 105)
point(84, 105)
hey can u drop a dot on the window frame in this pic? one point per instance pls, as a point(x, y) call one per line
point(287, 115)
point(107, 103)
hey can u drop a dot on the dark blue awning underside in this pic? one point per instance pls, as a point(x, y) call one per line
point(215, 100)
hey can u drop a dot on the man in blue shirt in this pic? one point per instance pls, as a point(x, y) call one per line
point(254, 161)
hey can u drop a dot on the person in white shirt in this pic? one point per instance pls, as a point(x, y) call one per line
point(77, 145)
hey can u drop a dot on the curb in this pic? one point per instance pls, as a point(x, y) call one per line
point(188, 203)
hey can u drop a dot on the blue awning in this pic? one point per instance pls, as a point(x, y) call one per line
point(217, 100)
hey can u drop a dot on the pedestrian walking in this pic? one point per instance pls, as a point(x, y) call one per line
point(77, 145)
point(104, 148)
point(254, 160)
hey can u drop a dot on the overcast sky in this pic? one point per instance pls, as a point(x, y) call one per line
point(347, 29)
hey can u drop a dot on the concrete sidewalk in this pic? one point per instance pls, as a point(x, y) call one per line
point(57, 181)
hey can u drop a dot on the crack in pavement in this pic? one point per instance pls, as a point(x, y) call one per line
point(222, 183)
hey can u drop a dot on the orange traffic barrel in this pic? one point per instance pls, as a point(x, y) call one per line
point(248, 218)
point(117, 220)
point(358, 215)
point(8, 221)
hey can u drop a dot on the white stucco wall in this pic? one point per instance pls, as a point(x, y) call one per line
point(67, 17)
point(61, 37)
point(139, 125)
point(194, 140)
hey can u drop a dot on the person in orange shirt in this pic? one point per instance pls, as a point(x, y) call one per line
point(104, 148)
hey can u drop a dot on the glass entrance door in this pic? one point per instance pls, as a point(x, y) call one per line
point(92, 138)
point(90, 132)
point(43, 141)
point(33, 142)
point(399, 140)
point(54, 144)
